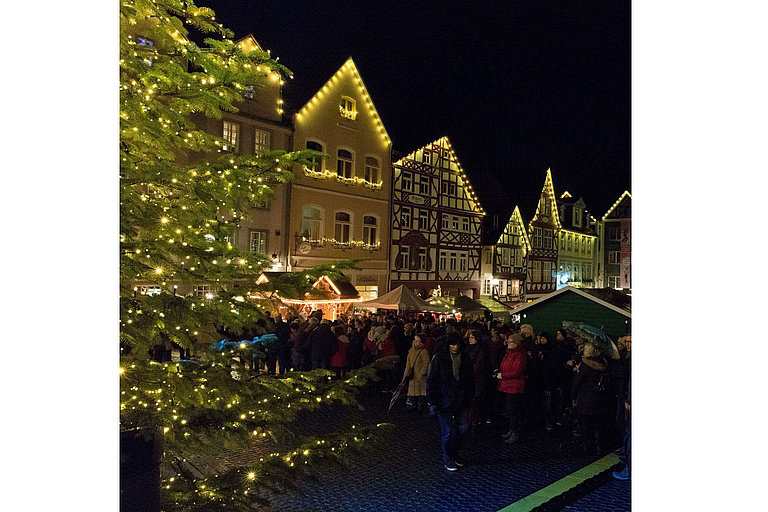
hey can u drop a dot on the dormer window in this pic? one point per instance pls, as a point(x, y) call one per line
point(347, 108)
point(577, 217)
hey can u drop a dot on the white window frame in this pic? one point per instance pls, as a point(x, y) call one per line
point(372, 167)
point(262, 140)
point(405, 252)
point(443, 260)
point(537, 237)
point(405, 217)
point(230, 131)
point(426, 157)
point(261, 239)
point(424, 183)
point(150, 289)
point(536, 275)
point(370, 231)
point(319, 221)
point(486, 287)
point(406, 181)
point(342, 229)
point(345, 166)
point(454, 222)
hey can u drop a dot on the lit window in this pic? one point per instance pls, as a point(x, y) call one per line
point(405, 216)
point(367, 292)
point(407, 181)
point(347, 108)
point(423, 258)
point(423, 219)
point(261, 141)
point(318, 161)
point(231, 133)
point(342, 225)
point(371, 170)
point(344, 164)
point(426, 157)
point(258, 241)
point(486, 287)
point(149, 290)
point(310, 223)
point(369, 230)
point(202, 290)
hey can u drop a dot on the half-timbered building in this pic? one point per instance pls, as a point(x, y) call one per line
point(340, 206)
point(436, 224)
point(505, 259)
point(543, 232)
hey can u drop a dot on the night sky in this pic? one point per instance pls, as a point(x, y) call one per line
point(518, 87)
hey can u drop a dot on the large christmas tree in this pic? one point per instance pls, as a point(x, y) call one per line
point(180, 196)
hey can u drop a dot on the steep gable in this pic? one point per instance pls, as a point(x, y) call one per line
point(516, 221)
point(622, 205)
point(546, 209)
point(346, 83)
point(440, 154)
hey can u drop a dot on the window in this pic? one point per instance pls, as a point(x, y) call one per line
point(583, 244)
point(487, 256)
point(455, 222)
point(258, 242)
point(463, 261)
point(587, 274)
point(589, 246)
point(537, 237)
point(577, 217)
point(614, 234)
point(342, 224)
point(519, 258)
point(576, 272)
point(347, 108)
point(453, 258)
point(451, 189)
point(423, 258)
point(445, 221)
point(231, 133)
point(261, 141)
point(562, 241)
point(371, 169)
point(613, 257)
point(230, 236)
point(149, 290)
point(405, 253)
point(536, 277)
point(423, 184)
point(317, 163)
point(545, 205)
point(344, 164)
point(570, 241)
point(465, 224)
point(202, 290)
point(614, 281)
point(486, 287)
point(548, 239)
point(443, 260)
point(505, 256)
point(423, 219)
point(406, 181)
point(367, 292)
point(405, 217)
point(369, 230)
point(310, 223)
point(426, 157)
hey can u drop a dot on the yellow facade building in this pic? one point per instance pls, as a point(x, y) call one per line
point(340, 207)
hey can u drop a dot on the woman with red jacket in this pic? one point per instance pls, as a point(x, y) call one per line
point(512, 383)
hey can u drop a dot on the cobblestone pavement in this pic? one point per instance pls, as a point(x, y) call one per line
point(404, 469)
point(613, 495)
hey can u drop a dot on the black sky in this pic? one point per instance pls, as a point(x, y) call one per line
point(518, 87)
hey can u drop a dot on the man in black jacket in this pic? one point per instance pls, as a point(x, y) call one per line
point(450, 388)
point(323, 342)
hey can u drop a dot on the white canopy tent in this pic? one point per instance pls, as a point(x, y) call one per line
point(403, 299)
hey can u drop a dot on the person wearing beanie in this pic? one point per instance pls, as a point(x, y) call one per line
point(450, 388)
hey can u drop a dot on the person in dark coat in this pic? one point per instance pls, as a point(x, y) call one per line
point(622, 377)
point(280, 350)
point(356, 336)
point(450, 389)
point(551, 361)
point(323, 343)
point(592, 404)
point(478, 354)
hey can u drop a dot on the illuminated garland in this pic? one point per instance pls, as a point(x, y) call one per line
point(352, 244)
point(622, 196)
point(349, 114)
point(354, 180)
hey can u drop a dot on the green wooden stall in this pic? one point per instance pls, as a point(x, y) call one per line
point(576, 305)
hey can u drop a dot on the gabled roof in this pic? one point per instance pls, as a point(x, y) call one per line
point(244, 41)
point(625, 310)
point(350, 67)
point(617, 203)
point(518, 219)
point(549, 188)
point(444, 141)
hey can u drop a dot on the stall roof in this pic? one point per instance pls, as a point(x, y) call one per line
point(403, 299)
point(591, 294)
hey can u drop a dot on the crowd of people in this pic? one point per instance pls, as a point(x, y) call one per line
point(474, 372)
